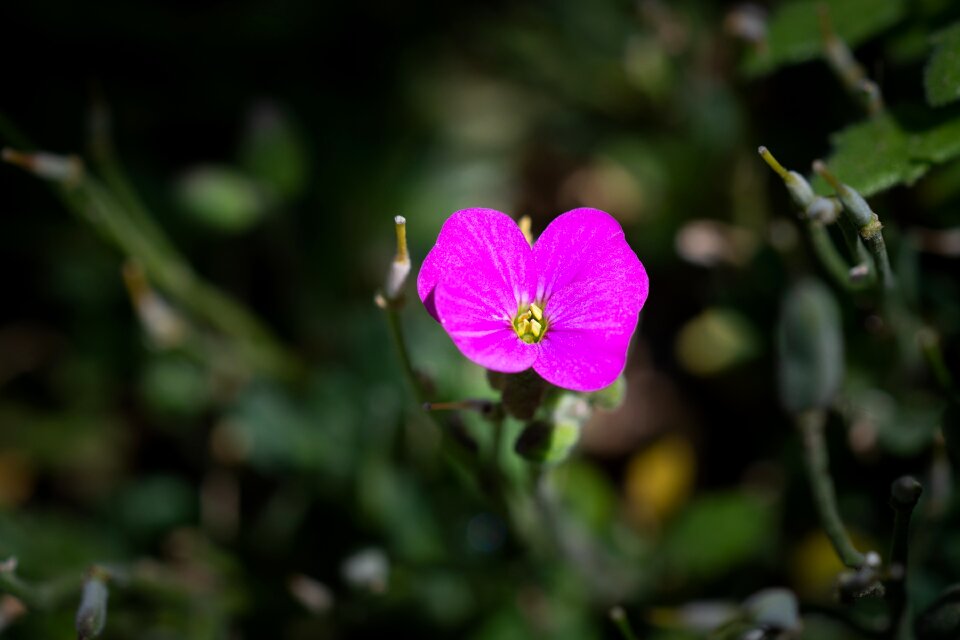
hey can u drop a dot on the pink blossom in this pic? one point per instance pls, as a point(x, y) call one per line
point(566, 306)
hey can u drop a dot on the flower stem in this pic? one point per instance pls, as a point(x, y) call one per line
point(141, 240)
point(904, 494)
point(400, 343)
point(619, 617)
point(811, 425)
point(841, 61)
point(41, 597)
point(832, 261)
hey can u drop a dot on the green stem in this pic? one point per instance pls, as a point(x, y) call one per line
point(878, 249)
point(832, 261)
point(811, 425)
point(41, 597)
point(104, 155)
point(98, 206)
point(400, 343)
point(858, 252)
point(904, 494)
point(619, 617)
point(121, 218)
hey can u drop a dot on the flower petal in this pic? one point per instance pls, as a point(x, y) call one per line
point(481, 240)
point(581, 360)
point(479, 326)
point(594, 286)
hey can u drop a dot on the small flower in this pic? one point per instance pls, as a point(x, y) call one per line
point(566, 306)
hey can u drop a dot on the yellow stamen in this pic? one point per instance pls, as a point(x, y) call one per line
point(530, 323)
point(535, 328)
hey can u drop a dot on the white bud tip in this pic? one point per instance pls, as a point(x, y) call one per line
point(400, 220)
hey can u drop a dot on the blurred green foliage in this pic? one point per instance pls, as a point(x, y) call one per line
point(199, 395)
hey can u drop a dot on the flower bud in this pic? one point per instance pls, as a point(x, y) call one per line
point(522, 393)
point(797, 186)
point(67, 169)
point(400, 267)
point(548, 443)
point(860, 212)
point(92, 613)
point(823, 209)
point(905, 492)
point(612, 396)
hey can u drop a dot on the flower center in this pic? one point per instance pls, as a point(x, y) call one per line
point(530, 324)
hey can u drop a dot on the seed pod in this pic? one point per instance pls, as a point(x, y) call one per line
point(810, 347)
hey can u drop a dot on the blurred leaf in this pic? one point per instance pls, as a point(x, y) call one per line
point(272, 151)
point(741, 528)
point(175, 385)
point(904, 425)
point(941, 78)
point(892, 149)
point(794, 33)
point(941, 621)
point(221, 198)
point(446, 595)
point(53, 545)
point(279, 434)
point(714, 341)
point(392, 499)
point(810, 347)
point(587, 492)
point(155, 504)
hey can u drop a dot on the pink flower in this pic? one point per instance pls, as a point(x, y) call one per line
point(566, 307)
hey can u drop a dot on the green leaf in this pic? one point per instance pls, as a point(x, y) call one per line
point(895, 148)
point(794, 34)
point(741, 528)
point(941, 79)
